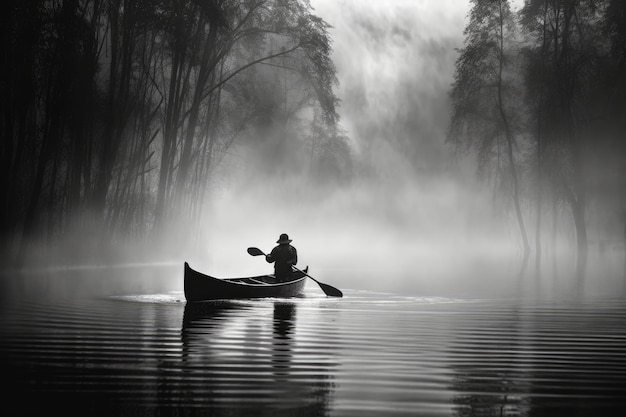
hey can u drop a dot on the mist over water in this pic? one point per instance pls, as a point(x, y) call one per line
point(434, 240)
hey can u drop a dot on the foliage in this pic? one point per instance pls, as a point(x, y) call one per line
point(565, 95)
point(115, 109)
point(483, 96)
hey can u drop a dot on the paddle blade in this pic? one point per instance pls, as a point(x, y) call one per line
point(255, 251)
point(330, 291)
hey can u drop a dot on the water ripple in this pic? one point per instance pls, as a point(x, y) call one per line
point(367, 354)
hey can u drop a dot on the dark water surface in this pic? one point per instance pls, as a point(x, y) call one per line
point(95, 343)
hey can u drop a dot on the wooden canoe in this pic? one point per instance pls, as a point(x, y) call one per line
point(199, 287)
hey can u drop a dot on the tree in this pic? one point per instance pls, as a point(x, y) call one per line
point(567, 46)
point(484, 97)
point(122, 109)
point(213, 45)
point(615, 88)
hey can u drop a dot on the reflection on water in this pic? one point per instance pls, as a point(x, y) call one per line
point(490, 378)
point(368, 354)
point(241, 358)
point(282, 341)
point(541, 360)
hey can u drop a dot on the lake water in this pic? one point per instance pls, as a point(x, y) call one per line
point(102, 343)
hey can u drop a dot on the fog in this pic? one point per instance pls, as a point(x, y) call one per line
point(402, 212)
point(414, 219)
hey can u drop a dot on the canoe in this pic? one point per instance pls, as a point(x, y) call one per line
point(199, 286)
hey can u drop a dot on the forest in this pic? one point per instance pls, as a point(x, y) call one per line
point(117, 116)
point(116, 113)
point(540, 98)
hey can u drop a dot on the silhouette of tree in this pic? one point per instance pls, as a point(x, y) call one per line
point(566, 48)
point(484, 97)
point(115, 112)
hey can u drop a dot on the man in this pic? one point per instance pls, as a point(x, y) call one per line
point(284, 255)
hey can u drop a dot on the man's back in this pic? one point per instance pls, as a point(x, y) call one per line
point(283, 256)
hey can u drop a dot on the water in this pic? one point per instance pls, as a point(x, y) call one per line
point(105, 343)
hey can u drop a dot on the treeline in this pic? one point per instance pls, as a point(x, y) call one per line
point(115, 113)
point(540, 97)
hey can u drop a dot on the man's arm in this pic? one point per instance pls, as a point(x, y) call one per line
point(294, 256)
point(270, 256)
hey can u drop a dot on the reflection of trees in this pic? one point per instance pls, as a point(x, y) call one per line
point(237, 360)
point(488, 373)
point(580, 366)
point(540, 361)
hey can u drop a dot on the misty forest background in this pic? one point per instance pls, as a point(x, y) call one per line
point(121, 121)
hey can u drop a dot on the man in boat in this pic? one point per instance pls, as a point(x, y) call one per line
point(284, 256)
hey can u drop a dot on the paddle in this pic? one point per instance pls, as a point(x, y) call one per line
point(328, 290)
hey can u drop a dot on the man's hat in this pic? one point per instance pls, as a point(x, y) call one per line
point(283, 239)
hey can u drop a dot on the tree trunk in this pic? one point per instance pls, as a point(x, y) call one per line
point(578, 211)
point(509, 142)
